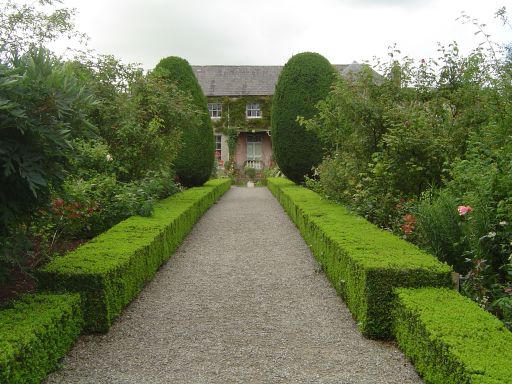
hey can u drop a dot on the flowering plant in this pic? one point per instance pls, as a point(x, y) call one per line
point(464, 209)
point(409, 224)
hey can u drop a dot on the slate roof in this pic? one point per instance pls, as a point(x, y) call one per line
point(246, 80)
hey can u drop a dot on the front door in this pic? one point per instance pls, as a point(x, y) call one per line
point(254, 156)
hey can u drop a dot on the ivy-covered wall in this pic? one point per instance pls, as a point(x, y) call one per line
point(233, 114)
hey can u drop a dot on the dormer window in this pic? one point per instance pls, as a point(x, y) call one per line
point(215, 110)
point(253, 110)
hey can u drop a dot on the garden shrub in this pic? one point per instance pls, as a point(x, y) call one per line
point(110, 270)
point(43, 109)
point(363, 262)
point(35, 332)
point(450, 339)
point(441, 229)
point(195, 159)
point(407, 149)
point(305, 79)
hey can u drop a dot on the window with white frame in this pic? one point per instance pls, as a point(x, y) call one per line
point(215, 110)
point(218, 147)
point(253, 110)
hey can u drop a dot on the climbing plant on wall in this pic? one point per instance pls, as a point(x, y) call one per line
point(234, 113)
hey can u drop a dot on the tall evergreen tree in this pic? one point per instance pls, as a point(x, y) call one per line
point(195, 159)
point(305, 80)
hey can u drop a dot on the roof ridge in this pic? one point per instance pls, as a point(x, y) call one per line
point(241, 80)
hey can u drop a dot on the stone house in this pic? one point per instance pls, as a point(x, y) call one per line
point(239, 102)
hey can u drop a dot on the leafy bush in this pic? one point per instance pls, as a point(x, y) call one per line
point(305, 79)
point(35, 332)
point(195, 159)
point(408, 148)
point(441, 229)
point(362, 262)
point(140, 118)
point(450, 339)
point(110, 270)
point(84, 144)
point(43, 109)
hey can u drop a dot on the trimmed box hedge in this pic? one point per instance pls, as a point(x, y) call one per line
point(111, 269)
point(363, 262)
point(35, 332)
point(450, 339)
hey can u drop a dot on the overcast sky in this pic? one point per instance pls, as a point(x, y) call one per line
point(268, 32)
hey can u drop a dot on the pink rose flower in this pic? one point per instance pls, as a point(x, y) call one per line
point(464, 209)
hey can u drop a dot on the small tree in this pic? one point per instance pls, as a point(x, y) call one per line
point(305, 80)
point(194, 162)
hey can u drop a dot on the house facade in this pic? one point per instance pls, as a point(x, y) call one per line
point(239, 103)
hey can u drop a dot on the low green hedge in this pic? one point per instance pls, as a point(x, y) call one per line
point(111, 269)
point(35, 332)
point(363, 262)
point(450, 339)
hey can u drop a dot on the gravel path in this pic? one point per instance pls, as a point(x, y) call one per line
point(241, 301)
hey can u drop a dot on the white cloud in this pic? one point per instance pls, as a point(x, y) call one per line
point(269, 31)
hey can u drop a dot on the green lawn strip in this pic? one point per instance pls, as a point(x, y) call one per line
point(450, 339)
point(35, 332)
point(363, 262)
point(111, 269)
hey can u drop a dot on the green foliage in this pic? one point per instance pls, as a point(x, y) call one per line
point(194, 162)
point(349, 119)
point(477, 244)
point(124, 169)
point(450, 339)
point(441, 228)
point(362, 262)
point(109, 80)
point(388, 141)
point(406, 149)
point(43, 108)
point(140, 117)
point(234, 113)
point(305, 80)
point(35, 332)
point(110, 270)
point(89, 206)
point(25, 26)
point(250, 173)
point(61, 180)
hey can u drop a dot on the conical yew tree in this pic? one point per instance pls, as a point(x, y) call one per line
point(305, 79)
point(194, 162)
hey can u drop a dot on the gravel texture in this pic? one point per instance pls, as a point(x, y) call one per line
point(241, 301)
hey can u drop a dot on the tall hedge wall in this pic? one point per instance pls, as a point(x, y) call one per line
point(195, 159)
point(305, 79)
